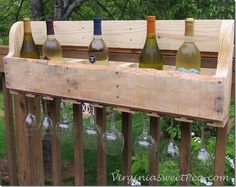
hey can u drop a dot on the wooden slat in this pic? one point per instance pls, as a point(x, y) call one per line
point(127, 151)
point(221, 142)
point(124, 86)
point(101, 155)
point(10, 134)
point(54, 114)
point(154, 160)
point(36, 147)
point(185, 149)
point(22, 140)
point(78, 147)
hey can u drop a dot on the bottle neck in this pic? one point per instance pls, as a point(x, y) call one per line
point(51, 37)
point(50, 28)
point(27, 27)
point(151, 28)
point(97, 25)
point(189, 29)
point(97, 37)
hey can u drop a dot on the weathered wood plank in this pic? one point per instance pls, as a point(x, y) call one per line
point(221, 142)
point(129, 34)
point(54, 114)
point(154, 161)
point(127, 151)
point(185, 149)
point(101, 155)
point(122, 87)
point(78, 147)
point(10, 134)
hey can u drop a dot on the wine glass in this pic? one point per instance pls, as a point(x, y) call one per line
point(91, 133)
point(145, 146)
point(64, 127)
point(47, 125)
point(112, 139)
point(170, 155)
point(31, 125)
point(202, 161)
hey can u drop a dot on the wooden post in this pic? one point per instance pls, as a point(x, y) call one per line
point(30, 154)
point(54, 114)
point(10, 135)
point(154, 161)
point(127, 151)
point(101, 155)
point(221, 141)
point(185, 148)
point(78, 147)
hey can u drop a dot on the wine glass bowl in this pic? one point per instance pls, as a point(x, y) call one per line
point(172, 150)
point(113, 141)
point(30, 124)
point(91, 135)
point(145, 147)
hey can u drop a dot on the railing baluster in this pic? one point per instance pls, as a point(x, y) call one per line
point(127, 151)
point(221, 142)
point(101, 156)
point(54, 114)
point(154, 161)
point(11, 148)
point(78, 147)
point(185, 148)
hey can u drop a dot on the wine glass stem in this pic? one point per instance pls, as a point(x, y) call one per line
point(45, 108)
point(145, 130)
point(64, 112)
point(113, 119)
point(171, 132)
point(202, 134)
point(28, 101)
point(92, 118)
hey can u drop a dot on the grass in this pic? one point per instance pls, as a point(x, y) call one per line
point(113, 162)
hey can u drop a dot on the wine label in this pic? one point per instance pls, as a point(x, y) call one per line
point(92, 59)
point(193, 71)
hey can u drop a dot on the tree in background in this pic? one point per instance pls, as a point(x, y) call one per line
point(14, 10)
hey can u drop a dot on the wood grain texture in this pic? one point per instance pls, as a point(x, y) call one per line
point(101, 155)
point(154, 161)
point(10, 134)
point(54, 114)
point(129, 34)
point(185, 149)
point(220, 149)
point(127, 151)
point(124, 86)
point(78, 147)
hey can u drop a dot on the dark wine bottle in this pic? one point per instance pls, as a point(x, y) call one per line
point(51, 47)
point(28, 49)
point(97, 51)
point(150, 56)
point(188, 57)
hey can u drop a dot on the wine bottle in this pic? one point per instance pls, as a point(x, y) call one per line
point(188, 57)
point(150, 56)
point(51, 47)
point(97, 51)
point(28, 49)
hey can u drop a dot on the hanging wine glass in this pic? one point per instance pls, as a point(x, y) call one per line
point(202, 161)
point(47, 125)
point(31, 125)
point(112, 139)
point(65, 125)
point(145, 146)
point(170, 155)
point(91, 133)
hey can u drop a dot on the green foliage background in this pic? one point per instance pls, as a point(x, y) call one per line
point(14, 10)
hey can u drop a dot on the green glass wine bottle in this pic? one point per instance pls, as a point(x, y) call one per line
point(150, 56)
point(28, 49)
point(188, 57)
point(51, 48)
point(97, 51)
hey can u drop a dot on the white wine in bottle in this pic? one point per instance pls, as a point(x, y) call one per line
point(188, 57)
point(51, 47)
point(28, 49)
point(150, 56)
point(97, 51)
